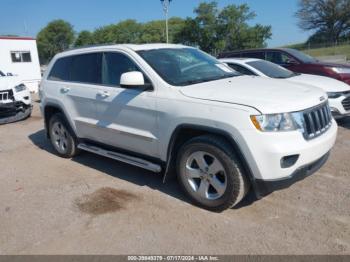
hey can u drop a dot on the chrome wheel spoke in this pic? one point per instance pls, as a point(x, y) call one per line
point(215, 167)
point(218, 185)
point(203, 188)
point(192, 172)
point(199, 158)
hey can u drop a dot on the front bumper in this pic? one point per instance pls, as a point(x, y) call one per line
point(263, 188)
point(15, 111)
point(266, 151)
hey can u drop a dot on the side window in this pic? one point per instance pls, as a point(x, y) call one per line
point(279, 58)
point(86, 68)
point(114, 65)
point(259, 55)
point(241, 69)
point(61, 70)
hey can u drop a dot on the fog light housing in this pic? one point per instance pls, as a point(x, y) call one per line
point(289, 161)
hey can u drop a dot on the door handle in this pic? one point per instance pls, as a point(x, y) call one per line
point(65, 89)
point(103, 94)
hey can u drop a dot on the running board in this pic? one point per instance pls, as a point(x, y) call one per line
point(121, 157)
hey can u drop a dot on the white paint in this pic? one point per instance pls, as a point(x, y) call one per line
point(28, 72)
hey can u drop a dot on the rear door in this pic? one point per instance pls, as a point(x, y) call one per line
point(76, 81)
point(127, 118)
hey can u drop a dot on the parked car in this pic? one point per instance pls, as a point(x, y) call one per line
point(338, 92)
point(164, 107)
point(15, 100)
point(296, 61)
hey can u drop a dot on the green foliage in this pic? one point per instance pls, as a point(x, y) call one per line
point(84, 38)
point(57, 36)
point(215, 30)
point(329, 18)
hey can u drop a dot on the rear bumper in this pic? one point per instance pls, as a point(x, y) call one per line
point(265, 187)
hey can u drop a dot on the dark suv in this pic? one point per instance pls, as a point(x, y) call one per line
point(296, 61)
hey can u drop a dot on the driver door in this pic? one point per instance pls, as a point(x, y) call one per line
point(127, 117)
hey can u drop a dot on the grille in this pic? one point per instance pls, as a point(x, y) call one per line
point(346, 103)
point(317, 121)
point(6, 95)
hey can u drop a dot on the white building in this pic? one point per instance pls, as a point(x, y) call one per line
point(19, 56)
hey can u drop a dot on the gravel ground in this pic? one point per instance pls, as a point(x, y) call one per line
point(93, 205)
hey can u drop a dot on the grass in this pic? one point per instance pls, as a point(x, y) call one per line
point(329, 51)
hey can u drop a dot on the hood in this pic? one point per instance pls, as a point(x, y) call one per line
point(326, 83)
point(264, 94)
point(7, 83)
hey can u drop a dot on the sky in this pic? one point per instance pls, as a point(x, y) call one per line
point(28, 17)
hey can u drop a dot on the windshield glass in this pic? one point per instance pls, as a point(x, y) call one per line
point(186, 66)
point(302, 56)
point(2, 74)
point(271, 70)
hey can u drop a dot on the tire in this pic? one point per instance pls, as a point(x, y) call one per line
point(62, 137)
point(210, 173)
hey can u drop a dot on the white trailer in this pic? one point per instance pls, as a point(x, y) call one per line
point(19, 56)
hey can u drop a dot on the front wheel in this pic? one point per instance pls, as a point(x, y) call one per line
point(210, 173)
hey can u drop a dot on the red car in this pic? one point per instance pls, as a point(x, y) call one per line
point(296, 61)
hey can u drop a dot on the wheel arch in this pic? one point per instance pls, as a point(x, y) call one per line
point(49, 110)
point(184, 132)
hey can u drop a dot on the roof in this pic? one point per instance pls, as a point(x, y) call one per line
point(134, 47)
point(16, 38)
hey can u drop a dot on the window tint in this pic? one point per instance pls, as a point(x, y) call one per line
point(271, 70)
point(86, 68)
point(26, 57)
point(260, 55)
point(20, 56)
point(279, 58)
point(61, 70)
point(241, 69)
point(114, 65)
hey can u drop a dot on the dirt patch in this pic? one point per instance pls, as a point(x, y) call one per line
point(104, 200)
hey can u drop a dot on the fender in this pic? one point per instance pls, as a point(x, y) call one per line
point(210, 130)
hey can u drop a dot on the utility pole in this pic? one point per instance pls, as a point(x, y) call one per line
point(166, 4)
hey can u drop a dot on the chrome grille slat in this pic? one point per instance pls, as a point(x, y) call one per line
point(346, 103)
point(317, 120)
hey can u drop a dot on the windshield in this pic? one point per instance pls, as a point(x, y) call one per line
point(186, 66)
point(2, 74)
point(271, 70)
point(302, 56)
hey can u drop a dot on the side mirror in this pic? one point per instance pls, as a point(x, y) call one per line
point(133, 80)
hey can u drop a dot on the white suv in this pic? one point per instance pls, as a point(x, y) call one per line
point(172, 107)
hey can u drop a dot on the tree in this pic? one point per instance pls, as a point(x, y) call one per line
point(56, 37)
point(215, 30)
point(84, 38)
point(330, 18)
point(233, 26)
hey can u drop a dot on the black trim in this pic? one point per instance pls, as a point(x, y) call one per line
point(266, 187)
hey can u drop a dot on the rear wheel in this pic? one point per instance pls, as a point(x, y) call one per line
point(61, 136)
point(210, 173)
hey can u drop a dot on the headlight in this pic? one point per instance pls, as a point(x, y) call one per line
point(334, 94)
point(341, 70)
point(278, 122)
point(20, 88)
